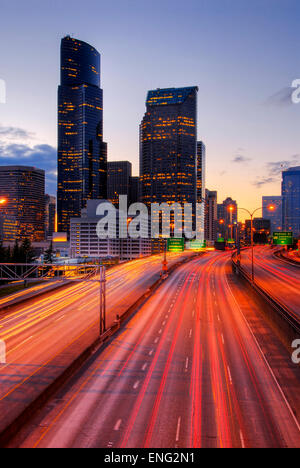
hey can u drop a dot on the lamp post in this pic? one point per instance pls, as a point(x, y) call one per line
point(251, 214)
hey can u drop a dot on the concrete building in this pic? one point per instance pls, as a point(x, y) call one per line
point(84, 241)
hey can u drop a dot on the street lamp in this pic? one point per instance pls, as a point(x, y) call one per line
point(270, 208)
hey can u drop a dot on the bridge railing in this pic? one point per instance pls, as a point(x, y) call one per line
point(25, 271)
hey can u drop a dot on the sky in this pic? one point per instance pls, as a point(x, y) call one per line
point(242, 55)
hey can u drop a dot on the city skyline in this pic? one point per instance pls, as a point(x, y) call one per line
point(241, 129)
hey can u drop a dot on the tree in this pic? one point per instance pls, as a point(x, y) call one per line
point(15, 256)
point(49, 254)
point(26, 254)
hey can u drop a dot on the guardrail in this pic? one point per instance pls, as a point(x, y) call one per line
point(281, 309)
point(283, 258)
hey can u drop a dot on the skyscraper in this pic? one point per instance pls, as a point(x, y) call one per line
point(50, 214)
point(118, 180)
point(201, 167)
point(211, 215)
point(23, 214)
point(82, 154)
point(291, 200)
point(168, 146)
point(275, 216)
point(227, 219)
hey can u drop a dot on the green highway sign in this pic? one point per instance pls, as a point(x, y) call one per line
point(283, 238)
point(197, 245)
point(175, 245)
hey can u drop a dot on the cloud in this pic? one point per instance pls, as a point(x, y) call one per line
point(240, 159)
point(15, 133)
point(282, 98)
point(274, 170)
point(41, 156)
point(261, 182)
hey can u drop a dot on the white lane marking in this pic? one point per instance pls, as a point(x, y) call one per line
point(160, 332)
point(151, 352)
point(156, 340)
point(229, 373)
point(191, 332)
point(144, 367)
point(59, 318)
point(178, 429)
point(164, 323)
point(137, 383)
point(219, 318)
point(265, 360)
point(25, 341)
point(193, 313)
point(222, 336)
point(166, 316)
point(242, 440)
point(118, 425)
point(186, 364)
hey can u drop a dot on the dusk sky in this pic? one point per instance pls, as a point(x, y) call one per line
point(243, 56)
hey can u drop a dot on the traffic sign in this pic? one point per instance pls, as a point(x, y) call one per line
point(175, 245)
point(283, 238)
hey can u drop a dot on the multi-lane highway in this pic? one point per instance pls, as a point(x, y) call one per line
point(188, 370)
point(44, 328)
point(280, 278)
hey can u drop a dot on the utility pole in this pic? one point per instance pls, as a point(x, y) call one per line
point(102, 281)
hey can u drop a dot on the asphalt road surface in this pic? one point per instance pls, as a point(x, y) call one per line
point(186, 371)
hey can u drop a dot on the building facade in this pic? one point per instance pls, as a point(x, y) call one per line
point(227, 219)
point(275, 216)
point(50, 215)
point(82, 154)
point(211, 215)
point(291, 200)
point(84, 241)
point(168, 145)
point(23, 213)
point(118, 180)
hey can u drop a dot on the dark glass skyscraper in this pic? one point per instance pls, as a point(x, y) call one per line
point(118, 178)
point(168, 146)
point(82, 154)
point(291, 200)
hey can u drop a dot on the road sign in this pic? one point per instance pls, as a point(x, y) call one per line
point(175, 245)
point(283, 238)
point(197, 245)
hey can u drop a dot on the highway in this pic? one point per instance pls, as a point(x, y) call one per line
point(43, 328)
point(281, 279)
point(187, 370)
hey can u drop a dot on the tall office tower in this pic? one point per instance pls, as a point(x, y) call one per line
point(291, 200)
point(82, 154)
point(23, 213)
point(211, 215)
point(134, 192)
point(275, 216)
point(201, 167)
point(227, 219)
point(118, 180)
point(168, 146)
point(50, 215)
